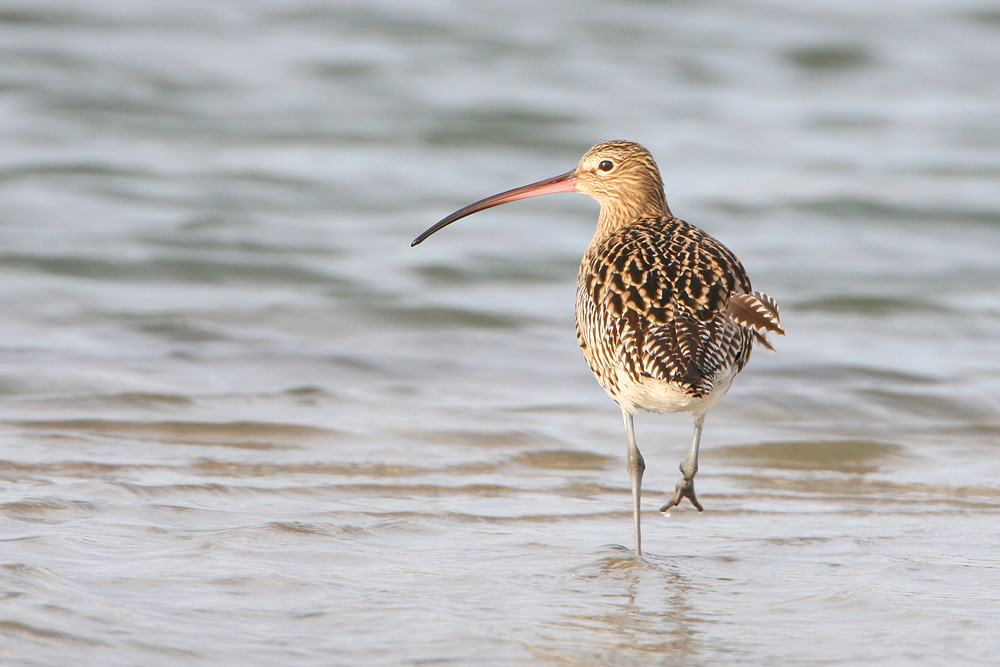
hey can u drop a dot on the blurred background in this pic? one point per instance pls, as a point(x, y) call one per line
point(243, 422)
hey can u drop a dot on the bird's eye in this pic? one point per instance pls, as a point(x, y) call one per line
point(606, 165)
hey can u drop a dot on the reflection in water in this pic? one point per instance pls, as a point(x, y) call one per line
point(631, 610)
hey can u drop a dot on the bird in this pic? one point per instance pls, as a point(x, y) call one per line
point(665, 314)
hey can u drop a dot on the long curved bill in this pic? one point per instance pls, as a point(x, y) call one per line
point(561, 183)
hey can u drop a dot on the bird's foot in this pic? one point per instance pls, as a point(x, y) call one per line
point(685, 489)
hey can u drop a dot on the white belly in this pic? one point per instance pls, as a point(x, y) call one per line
point(656, 396)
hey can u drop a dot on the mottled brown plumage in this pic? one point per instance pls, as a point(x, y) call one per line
point(652, 299)
point(665, 314)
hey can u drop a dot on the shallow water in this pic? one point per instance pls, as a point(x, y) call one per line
point(243, 422)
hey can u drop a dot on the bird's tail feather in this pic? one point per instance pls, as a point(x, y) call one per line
point(757, 312)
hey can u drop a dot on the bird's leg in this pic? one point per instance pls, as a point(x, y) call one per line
point(689, 468)
point(636, 466)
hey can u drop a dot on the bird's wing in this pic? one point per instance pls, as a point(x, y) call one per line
point(655, 296)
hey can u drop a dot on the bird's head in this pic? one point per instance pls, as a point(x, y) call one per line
point(621, 175)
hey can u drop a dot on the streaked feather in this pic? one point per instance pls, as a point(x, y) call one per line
point(757, 312)
point(652, 301)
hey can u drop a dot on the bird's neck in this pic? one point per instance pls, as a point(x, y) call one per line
point(617, 214)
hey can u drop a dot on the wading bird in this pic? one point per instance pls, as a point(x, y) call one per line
point(665, 314)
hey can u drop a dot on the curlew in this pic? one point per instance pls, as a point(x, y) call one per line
point(665, 314)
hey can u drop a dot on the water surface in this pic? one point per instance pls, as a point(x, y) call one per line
point(243, 422)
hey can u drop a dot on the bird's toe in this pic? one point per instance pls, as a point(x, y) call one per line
point(685, 489)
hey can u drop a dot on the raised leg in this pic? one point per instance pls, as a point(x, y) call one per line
point(636, 466)
point(689, 468)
